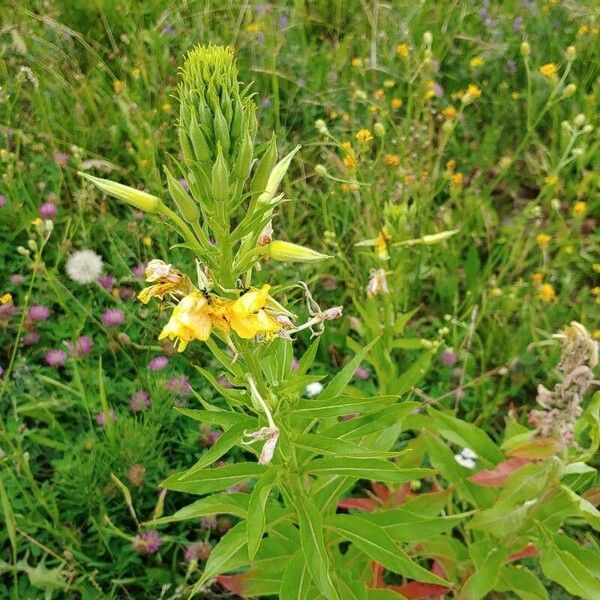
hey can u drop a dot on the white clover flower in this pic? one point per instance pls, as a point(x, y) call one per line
point(84, 266)
point(313, 389)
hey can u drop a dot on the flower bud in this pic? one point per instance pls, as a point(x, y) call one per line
point(427, 38)
point(525, 49)
point(265, 166)
point(276, 176)
point(141, 200)
point(321, 170)
point(288, 252)
point(220, 177)
point(570, 90)
point(555, 204)
point(571, 53)
point(379, 129)
point(588, 128)
point(321, 127)
point(187, 207)
point(579, 120)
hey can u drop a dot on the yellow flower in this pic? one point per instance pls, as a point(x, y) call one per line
point(449, 112)
point(579, 209)
point(6, 299)
point(596, 267)
point(473, 92)
point(193, 319)
point(166, 107)
point(584, 29)
point(346, 146)
point(457, 180)
point(147, 241)
point(476, 62)
point(515, 95)
point(549, 71)
point(364, 135)
point(546, 293)
point(253, 28)
point(537, 278)
point(379, 94)
point(596, 334)
point(596, 291)
point(391, 160)
point(397, 103)
point(118, 86)
point(451, 165)
point(381, 244)
point(496, 291)
point(247, 316)
point(350, 162)
point(348, 187)
point(402, 50)
point(551, 180)
point(168, 280)
point(543, 239)
point(388, 83)
point(358, 63)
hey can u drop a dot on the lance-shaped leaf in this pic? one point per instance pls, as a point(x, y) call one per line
point(277, 174)
point(296, 580)
point(256, 508)
point(341, 405)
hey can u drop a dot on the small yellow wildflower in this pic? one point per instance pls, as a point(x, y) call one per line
point(397, 103)
point(118, 86)
point(389, 83)
point(379, 94)
point(253, 28)
point(403, 51)
point(596, 291)
point(350, 162)
point(6, 299)
point(348, 187)
point(346, 146)
point(596, 267)
point(549, 71)
point(358, 63)
point(551, 180)
point(147, 241)
point(473, 93)
point(381, 244)
point(596, 334)
point(166, 107)
point(543, 239)
point(115, 292)
point(457, 180)
point(136, 72)
point(579, 208)
point(537, 278)
point(449, 112)
point(496, 291)
point(476, 62)
point(451, 165)
point(364, 135)
point(515, 95)
point(546, 293)
point(391, 160)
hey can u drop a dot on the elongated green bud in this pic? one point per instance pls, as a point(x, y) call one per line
point(244, 158)
point(222, 130)
point(187, 207)
point(288, 252)
point(276, 176)
point(220, 177)
point(186, 147)
point(201, 148)
point(265, 166)
point(140, 200)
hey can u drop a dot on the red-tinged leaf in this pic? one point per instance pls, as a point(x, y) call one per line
point(592, 496)
point(536, 449)
point(377, 580)
point(400, 494)
point(236, 584)
point(497, 476)
point(416, 590)
point(526, 551)
point(381, 491)
point(364, 504)
point(438, 569)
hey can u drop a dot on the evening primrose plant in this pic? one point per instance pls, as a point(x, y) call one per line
point(307, 458)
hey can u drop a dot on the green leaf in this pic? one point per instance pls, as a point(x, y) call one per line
point(319, 444)
point(223, 418)
point(488, 559)
point(230, 504)
point(308, 358)
point(256, 509)
point(212, 480)
point(383, 594)
point(339, 406)
point(365, 468)
point(413, 374)
point(226, 442)
point(339, 382)
point(522, 582)
point(230, 553)
point(9, 519)
point(313, 547)
point(585, 509)
point(296, 581)
point(379, 546)
point(566, 570)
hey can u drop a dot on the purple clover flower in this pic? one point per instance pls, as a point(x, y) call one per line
point(106, 281)
point(55, 358)
point(158, 363)
point(147, 542)
point(139, 400)
point(38, 312)
point(101, 417)
point(81, 347)
point(48, 210)
point(113, 317)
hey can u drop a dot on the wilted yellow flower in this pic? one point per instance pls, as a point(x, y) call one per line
point(350, 162)
point(402, 50)
point(579, 208)
point(191, 320)
point(6, 298)
point(364, 135)
point(247, 316)
point(397, 103)
point(391, 160)
point(377, 283)
point(457, 180)
point(449, 112)
point(543, 239)
point(118, 86)
point(537, 278)
point(549, 71)
point(476, 62)
point(166, 279)
point(546, 293)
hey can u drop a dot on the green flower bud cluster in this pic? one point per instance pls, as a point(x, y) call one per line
point(217, 127)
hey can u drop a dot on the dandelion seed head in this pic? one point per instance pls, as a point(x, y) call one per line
point(84, 266)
